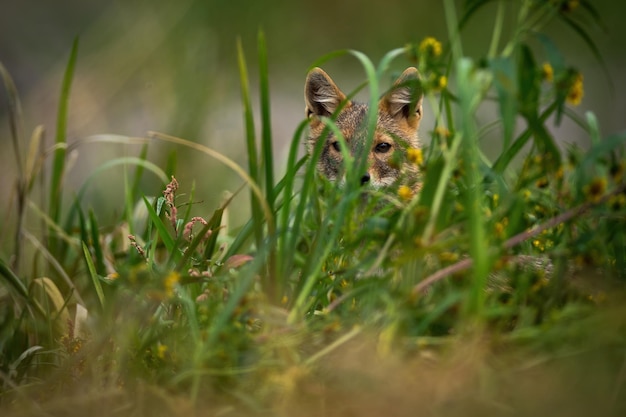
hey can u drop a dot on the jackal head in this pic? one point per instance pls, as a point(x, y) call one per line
point(399, 114)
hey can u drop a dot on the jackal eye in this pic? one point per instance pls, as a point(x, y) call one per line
point(336, 146)
point(382, 147)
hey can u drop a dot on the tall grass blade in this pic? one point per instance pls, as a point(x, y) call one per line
point(251, 146)
point(58, 163)
point(95, 279)
point(270, 284)
point(266, 121)
point(468, 92)
point(285, 229)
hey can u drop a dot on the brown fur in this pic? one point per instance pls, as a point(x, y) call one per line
point(399, 115)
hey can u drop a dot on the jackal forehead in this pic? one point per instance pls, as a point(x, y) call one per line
point(353, 120)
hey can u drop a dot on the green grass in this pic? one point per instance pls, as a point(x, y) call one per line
point(498, 289)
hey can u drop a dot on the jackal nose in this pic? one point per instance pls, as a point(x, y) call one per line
point(365, 178)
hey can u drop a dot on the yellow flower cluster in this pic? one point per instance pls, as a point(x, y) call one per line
point(440, 82)
point(405, 192)
point(547, 72)
point(430, 47)
point(415, 155)
point(161, 351)
point(576, 92)
point(170, 282)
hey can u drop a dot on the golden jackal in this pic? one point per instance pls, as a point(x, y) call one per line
point(399, 115)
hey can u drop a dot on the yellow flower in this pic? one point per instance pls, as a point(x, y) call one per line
point(576, 91)
point(430, 47)
point(499, 229)
point(443, 82)
point(170, 282)
point(547, 72)
point(405, 193)
point(438, 82)
point(161, 350)
point(415, 155)
point(442, 132)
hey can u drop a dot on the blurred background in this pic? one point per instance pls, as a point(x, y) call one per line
point(171, 66)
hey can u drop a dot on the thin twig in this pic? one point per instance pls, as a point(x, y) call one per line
point(467, 263)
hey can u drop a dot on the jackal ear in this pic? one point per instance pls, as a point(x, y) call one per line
point(321, 95)
point(405, 97)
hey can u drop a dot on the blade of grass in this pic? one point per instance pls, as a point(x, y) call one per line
point(95, 243)
point(372, 74)
point(58, 163)
point(94, 275)
point(134, 191)
point(266, 122)
point(14, 281)
point(251, 146)
point(469, 90)
point(162, 231)
point(33, 158)
point(272, 287)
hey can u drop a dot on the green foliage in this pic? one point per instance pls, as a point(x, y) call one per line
point(525, 252)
